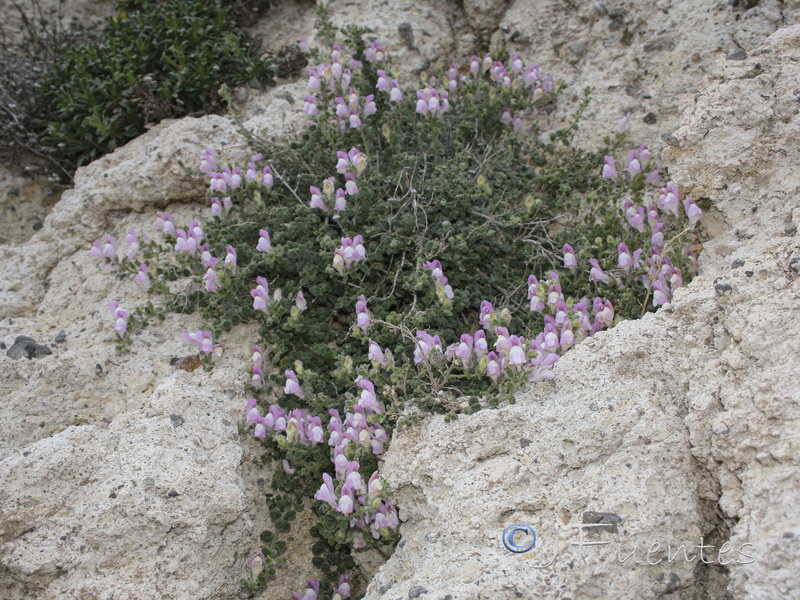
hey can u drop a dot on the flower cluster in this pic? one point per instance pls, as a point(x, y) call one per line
point(332, 81)
point(351, 108)
point(312, 590)
point(390, 85)
point(189, 240)
point(106, 251)
point(639, 161)
point(431, 103)
point(350, 252)
point(351, 165)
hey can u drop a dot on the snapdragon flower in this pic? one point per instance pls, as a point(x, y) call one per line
point(211, 280)
point(256, 564)
point(220, 207)
point(431, 103)
point(669, 200)
point(693, 211)
point(260, 295)
point(609, 168)
point(300, 301)
point(133, 244)
point(121, 317)
point(208, 161)
point(264, 243)
point(292, 385)
point(343, 590)
point(625, 260)
point(230, 257)
point(165, 223)
point(354, 159)
point(426, 347)
point(204, 340)
point(310, 593)
point(106, 251)
point(310, 105)
point(597, 273)
point(362, 315)
point(570, 261)
point(142, 279)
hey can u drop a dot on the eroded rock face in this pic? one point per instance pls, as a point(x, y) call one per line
point(138, 508)
point(636, 55)
point(682, 424)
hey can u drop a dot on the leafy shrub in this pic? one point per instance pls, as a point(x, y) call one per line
point(26, 55)
point(399, 219)
point(155, 60)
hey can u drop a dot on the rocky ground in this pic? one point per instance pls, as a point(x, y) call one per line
point(122, 476)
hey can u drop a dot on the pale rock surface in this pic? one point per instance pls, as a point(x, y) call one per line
point(636, 55)
point(138, 508)
point(684, 424)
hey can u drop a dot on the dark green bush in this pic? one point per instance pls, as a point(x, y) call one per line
point(153, 61)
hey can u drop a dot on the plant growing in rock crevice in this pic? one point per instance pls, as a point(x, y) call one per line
point(406, 254)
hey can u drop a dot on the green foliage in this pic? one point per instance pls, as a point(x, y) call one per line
point(154, 60)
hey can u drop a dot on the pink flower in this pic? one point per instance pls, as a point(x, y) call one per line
point(609, 169)
point(202, 339)
point(264, 244)
point(597, 273)
point(292, 385)
point(260, 294)
point(121, 317)
point(142, 279)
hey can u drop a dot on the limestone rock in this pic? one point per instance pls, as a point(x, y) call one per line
point(636, 56)
point(148, 506)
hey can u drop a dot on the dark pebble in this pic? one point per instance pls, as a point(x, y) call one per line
point(524, 443)
point(417, 591)
point(794, 264)
point(737, 263)
point(27, 347)
point(650, 118)
point(172, 494)
point(61, 337)
point(611, 520)
point(737, 55)
point(671, 139)
point(662, 42)
point(723, 288)
point(177, 420)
